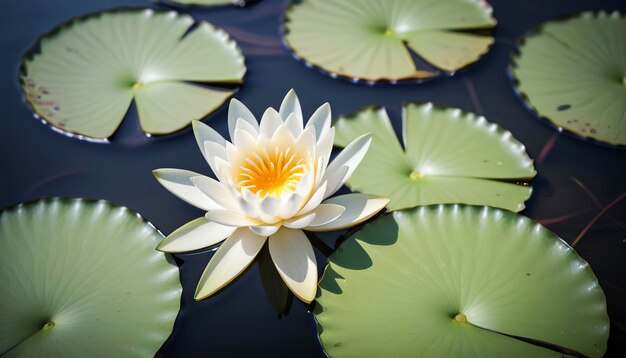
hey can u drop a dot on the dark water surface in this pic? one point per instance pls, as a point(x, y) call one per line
point(575, 179)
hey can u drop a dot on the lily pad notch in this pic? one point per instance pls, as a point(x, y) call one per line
point(448, 156)
point(459, 281)
point(571, 73)
point(378, 41)
point(82, 77)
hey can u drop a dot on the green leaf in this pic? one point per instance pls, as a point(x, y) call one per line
point(87, 72)
point(81, 278)
point(450, 157)
point(573, 73)
point(368, 39)
point(459, 281)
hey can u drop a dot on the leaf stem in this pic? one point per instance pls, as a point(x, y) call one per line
point(606, 208)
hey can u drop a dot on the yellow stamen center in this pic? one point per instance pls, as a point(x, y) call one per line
point(415, 175)
point(271, 173)
point(137, 86)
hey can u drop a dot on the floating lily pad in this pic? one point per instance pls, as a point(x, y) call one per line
point(449, 156)
point(459, 281)
point(373, 39)
point(83, 279)
point(85, 74)
point(573, 73)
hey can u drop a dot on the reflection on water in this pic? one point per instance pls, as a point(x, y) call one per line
point(277, 293)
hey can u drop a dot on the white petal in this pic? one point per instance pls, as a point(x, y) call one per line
point(320, 120)
point(247, 207)
point(222, 169)
point(265, 230)
point(306, 142)
point(235, 254)
point(245, 126)
point(229, 218)
point(270, 122)
point(350, 157)
point(195, 235)
point(290, 206)
point(335, 180)
point(238, 110)
point(178, 182)
point(244, 141)
point(294, 259)
point(359, 207)
point(283, 136)
point(215, 190)
point(204, 133)
point(270, 205)
point(212, 151)
point(268, 209)
point(251, 198)
point(314, 200)
point(291, 105)
point(325, 145)
point(305, 185)
point(300, 222)
point(326, 213)
point(294, 124)
point(320, 171)
point(232, 153)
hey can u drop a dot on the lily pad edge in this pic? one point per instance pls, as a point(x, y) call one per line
point(523, 97)
point(34, 50)
point(405, 81)
point(388, 215)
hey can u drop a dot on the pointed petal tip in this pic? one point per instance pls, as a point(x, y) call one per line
point(306, 300)
point(366, 136)
point(196, 124)
point(306, 296)
point(198, 297)
point(234, 101)
point(163, 247)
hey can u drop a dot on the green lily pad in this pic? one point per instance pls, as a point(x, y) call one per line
point(373, 39)
point(449, 156)
point(572, 72)
point(85, 74)
point(459, 281)
point(82, 278)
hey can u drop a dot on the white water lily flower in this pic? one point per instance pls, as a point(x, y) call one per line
point(274, 180)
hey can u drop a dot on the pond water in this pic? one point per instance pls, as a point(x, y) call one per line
point(575, 180)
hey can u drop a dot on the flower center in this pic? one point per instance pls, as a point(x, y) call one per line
point(271, 173)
